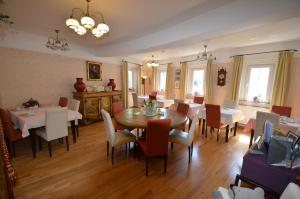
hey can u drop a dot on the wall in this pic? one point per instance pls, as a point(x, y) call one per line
point(26, 74)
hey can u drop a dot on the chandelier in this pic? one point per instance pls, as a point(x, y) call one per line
point(55, 43)
point(205, 55)
point(152, 63)
point(87, 23)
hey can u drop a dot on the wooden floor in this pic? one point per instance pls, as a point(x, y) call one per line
point(85, 171)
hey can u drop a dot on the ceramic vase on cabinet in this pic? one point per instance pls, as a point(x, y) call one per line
point(112, 84)
point(79, 85)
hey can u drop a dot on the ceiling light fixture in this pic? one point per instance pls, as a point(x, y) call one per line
point(152, 63)
point(205, 55)
point(87, 23)
point(55, 43)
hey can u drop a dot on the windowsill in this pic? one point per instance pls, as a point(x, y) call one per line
point(254, 104)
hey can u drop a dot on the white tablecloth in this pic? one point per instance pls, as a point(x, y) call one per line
point(228, 116)
point(25, 121)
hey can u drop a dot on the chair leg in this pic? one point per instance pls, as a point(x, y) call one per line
point(251, 138)
point(107, 148)
point(206, 131)
point(126, 149)
point(189, 154)
point(218, 132)
point(77, 131)
point(13, 149)
point(172, 145)
point(112, 155)
point(165, 163)
point(67, 142)
point(40, 143)
point(147, 160)
point(49, 148)
point(192, 148)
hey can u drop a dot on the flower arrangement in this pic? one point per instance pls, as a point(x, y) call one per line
point(150, 108)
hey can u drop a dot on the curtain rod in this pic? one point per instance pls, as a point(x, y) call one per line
point(197, 59)
point(274, 51)
point(132, 62)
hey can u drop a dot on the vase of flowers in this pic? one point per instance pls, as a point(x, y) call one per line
point(150, 108)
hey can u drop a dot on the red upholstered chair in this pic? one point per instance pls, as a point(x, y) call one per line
point(183, 109)
point(63, 102)
point(11, 134)
point(118, 107)
point(152, 97)
point(153, 93)
point(282, 110)
point(156, 142)
point(213, 118)
point(198, 99)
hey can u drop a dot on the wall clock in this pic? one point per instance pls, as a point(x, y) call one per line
point(221, 77)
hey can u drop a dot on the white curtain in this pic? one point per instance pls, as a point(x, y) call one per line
point(125, 83)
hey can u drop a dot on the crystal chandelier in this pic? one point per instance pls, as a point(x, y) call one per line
point(87, 23)
point(55, 43)
point(152, 63)
point(205, 55)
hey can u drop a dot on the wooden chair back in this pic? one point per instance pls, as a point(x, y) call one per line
point(183, 108)
point(117, 107)
point(8, 126)
point(198, 99)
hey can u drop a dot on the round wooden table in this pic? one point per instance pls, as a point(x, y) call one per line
point(134, 118)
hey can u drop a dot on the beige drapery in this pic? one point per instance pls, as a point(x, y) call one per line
point(237, 69)
point(282, 77)
point(154, 79)
point(209, 82)
point(125, 83)
point(169, 82)
point(139, 80)
point(183, 80)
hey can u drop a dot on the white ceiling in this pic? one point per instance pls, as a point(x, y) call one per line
point(165, 28)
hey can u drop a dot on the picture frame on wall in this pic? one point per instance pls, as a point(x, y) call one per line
point(176, 84)
point(177, 78)
point(94, 70)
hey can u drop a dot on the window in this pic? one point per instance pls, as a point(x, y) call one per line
point(130, 79)
point(197, 81)
point(258, 83)
point(162, 80)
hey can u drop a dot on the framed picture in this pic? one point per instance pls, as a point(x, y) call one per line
point(177, 84)
point(177, 74)
point(93, 70)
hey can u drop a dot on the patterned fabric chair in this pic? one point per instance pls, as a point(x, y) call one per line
point(115, 139)
point(74, 106)
point(12, 135)
point(213, 118)
point(156, 141)
point(282, 110)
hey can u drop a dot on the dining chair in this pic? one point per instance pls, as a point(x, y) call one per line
point(185, 138)
point(154, 93)
point(56, 128)
point(282, 110)
point(229, 104)
point(74, 106)
point(198, 99)
point(63, 102)
point(152, 97)
point(115, 139)
point(12, 135)
point(261, 118)
point(182, 108)
point(135, 100)
point(156, 141)
point(213, 118)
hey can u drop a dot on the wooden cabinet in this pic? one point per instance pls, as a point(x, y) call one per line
point(91, 104)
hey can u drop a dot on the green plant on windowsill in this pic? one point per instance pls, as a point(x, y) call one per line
point(5, 19)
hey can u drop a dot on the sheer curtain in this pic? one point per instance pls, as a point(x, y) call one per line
point(282, 77)
point(208, 82)
point(139, 80)
point(169, 82)
point(183, 80)
point(125, 83)
point(237, 69)
point(154, 79)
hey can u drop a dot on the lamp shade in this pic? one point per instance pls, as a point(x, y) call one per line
point(72, 23)
point(97, 33)
point(87, 22)
point(103, 27)
point(80, 30)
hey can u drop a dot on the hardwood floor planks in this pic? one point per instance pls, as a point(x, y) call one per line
point(85, 171)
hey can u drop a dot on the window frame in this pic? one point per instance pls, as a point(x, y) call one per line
point(132, 72)
point(194, 67)
point(158, 77)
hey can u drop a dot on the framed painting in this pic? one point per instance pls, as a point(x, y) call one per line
point(93, 70)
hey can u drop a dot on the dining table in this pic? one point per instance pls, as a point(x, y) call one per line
point(136, 117)
point(285, 123)
point(30, 119)
point(229, 117)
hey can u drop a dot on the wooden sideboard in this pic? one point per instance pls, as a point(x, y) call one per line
point(91, 104)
